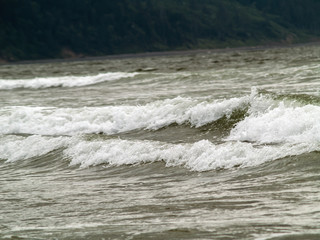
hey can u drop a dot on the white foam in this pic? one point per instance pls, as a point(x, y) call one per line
point(205, 112)
point(114, 119)
point(13, 148)
point(199, 156)
point(67, 81)
point(268, 121)
point(294, 127)
point(280, 124)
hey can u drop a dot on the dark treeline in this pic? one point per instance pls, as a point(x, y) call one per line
point(37, 29)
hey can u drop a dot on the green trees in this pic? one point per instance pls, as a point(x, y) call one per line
point(35, 29)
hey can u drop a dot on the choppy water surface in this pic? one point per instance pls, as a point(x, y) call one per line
point(207, 145)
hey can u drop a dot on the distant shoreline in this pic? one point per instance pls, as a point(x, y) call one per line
point(162, 53)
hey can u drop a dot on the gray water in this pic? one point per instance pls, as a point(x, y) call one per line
point(201, 145)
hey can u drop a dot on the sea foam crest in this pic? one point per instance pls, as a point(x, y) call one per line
point(13, 148)
point(115, 119)
point(295, 124)
point(199, 156)
point(67, 81)
point(267, 120)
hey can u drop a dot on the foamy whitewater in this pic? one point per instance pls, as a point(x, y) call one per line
point(200, 146)
point(68, 81)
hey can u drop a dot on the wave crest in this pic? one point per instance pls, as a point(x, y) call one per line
point(116, 119)
point(68, 81)
point(199, 156)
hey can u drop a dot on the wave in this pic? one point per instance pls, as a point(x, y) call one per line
point(14, 148)
point(259, 128)
point(115, 119)
point(255, 118)
point(303, 99)
point(67, 81)
point(281, 124)
point(199, 156)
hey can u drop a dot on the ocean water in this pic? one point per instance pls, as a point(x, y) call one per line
point(201, 145)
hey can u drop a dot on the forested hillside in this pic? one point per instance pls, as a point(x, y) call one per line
point(39, 29)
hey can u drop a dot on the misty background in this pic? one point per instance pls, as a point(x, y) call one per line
point(44, 29)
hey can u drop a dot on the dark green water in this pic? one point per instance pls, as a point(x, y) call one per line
point(216, 145)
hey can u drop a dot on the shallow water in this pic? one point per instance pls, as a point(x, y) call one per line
point(215, 145)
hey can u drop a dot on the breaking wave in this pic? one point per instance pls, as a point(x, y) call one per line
point(199, 156)
point(115, 119)
point(67, 81)
point(261, 119)
point(263, 129)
